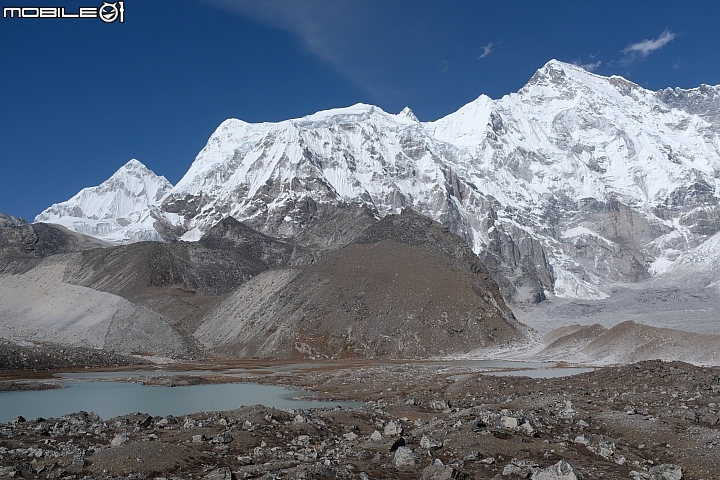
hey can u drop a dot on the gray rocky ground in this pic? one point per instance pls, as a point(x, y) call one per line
point(26, 358)
point(651, 420)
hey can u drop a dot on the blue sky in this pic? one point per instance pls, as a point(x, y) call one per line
point(81, 98)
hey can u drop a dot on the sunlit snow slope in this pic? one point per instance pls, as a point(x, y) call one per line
point(122, 209)
point(573, 184)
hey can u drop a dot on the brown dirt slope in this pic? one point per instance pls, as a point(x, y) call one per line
point(629, 342)
point(407, 288)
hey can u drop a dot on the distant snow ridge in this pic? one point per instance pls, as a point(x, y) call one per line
point(573, 184)
point(122, 209)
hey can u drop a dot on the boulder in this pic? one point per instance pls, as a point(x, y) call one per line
point(223, 473)
point(403, 457)
point(439, 404)
point(392, 429)
point(511, 423)
point(560, 471)
point(666, 471)
point(442, 472)
point(120, 439)
point(430, 443)
point(223, 437)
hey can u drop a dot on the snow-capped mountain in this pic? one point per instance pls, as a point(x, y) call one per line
point(573, 184)
point(122, 209)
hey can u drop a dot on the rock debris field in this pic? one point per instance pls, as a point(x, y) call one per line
point(649, 420)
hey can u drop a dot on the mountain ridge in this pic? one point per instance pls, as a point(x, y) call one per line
point(573, 184)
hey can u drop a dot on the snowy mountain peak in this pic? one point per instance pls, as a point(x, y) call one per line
point(126, 198)
point(408, 114)
point(134, 164)
point(553, 71)
point(567, 187)
point(466, 127)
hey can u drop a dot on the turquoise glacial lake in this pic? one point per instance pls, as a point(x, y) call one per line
point(111, 399)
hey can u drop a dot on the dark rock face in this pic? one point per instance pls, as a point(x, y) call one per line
point(22, 246)
point(332, 227)
point(10, 221)
point(229, 234)
point(228, 255)
point(407, 287)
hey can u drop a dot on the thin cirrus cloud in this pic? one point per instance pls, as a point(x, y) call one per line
point(352, 37)
point(319, 25)
point(646, 47)
point(590, 67)
point(487, 50)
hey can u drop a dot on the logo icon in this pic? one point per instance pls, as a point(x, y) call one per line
point(109, 12)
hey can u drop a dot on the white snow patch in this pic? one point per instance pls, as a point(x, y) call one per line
point(192, 235)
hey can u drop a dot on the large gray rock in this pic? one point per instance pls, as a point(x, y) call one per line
point(119, 439)
point(442, 472)
point(392, 429)
point(560, 471)
point(10, 221)
point(223, 473)
point(430, 443)
point(404, 457)
point(666, 471)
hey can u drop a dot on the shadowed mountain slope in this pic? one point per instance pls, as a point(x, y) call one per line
point(180, 280)
point(22, 246)
point(57, 286)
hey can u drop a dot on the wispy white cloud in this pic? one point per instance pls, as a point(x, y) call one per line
point(350, 36)
point(317, 24)
point(646, 47)
point(487, 50)
point(590, 67)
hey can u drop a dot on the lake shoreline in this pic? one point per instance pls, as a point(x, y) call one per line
point(418, 421)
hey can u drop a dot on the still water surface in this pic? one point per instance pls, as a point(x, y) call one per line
point(111, 399)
